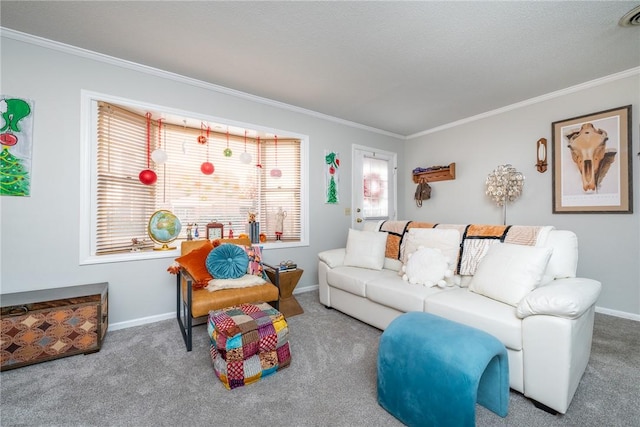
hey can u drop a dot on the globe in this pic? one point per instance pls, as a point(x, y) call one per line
point(164, 227)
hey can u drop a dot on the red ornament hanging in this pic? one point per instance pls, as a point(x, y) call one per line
point(207, 167)
point(202, 139)
point(147, 176)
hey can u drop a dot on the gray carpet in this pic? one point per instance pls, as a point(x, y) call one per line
point(144, 377)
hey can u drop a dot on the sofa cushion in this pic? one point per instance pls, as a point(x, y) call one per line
point(354, 279)
point(508, 272)
point(396, 293)
point(464, 306)
point(365, 249)
point(564, 259)
point(447, 240)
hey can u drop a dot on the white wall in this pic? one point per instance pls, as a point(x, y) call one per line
point(39, 234)
point(609, 243)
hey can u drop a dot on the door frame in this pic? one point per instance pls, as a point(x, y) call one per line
point(356, 181)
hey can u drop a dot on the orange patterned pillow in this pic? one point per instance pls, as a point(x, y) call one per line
point(195, 264)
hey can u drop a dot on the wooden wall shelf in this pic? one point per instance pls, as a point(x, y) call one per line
point(443, 174)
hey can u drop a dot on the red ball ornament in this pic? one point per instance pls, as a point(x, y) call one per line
point(8, 139)
point(148, 177)
point(207, 168)
point(202, 139)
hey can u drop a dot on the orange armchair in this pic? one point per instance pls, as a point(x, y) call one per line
point(193, 305)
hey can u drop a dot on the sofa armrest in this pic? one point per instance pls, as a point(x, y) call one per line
point(568, 298)
point(333, 257)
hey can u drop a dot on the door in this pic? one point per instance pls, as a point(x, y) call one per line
point(374, 186)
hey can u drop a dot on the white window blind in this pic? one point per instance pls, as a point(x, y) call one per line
point(124, 204)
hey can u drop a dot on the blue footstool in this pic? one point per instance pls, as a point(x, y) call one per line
point(432, 371)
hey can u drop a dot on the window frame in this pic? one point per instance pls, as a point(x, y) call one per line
point(89, 184)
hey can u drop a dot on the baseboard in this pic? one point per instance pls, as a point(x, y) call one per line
point(305, 289)
point(141, 321)
point(617, 313)
point(165, 316)
point(172, 315)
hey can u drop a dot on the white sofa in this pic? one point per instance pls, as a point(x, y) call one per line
point(547, 333)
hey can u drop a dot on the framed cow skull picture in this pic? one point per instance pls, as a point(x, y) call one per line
point(592, 163)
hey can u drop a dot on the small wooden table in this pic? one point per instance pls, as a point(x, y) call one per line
point(287, 282)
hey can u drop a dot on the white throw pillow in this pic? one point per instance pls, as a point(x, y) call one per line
point(365, 249)
point(428, 267)
point(508, 272)
point(447, 240)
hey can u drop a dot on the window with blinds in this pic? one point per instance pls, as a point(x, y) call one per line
point(126, 140)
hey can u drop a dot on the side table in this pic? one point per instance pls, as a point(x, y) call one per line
point(287, 282)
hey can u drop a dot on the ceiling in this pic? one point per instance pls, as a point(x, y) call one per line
point(400, 67)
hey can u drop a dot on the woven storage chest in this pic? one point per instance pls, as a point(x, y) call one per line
point(48, 324)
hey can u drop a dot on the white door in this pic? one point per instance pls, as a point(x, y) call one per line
point(374, 186)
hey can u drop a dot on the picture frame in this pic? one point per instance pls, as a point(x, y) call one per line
point(592, 163)
point(215, 230)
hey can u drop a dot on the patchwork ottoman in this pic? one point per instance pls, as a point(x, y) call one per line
point(432, 371)
point(248, 342)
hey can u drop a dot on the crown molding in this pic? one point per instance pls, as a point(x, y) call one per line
point(85, 53)
point(531, 101)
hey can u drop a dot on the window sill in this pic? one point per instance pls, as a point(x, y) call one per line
point(173, 253)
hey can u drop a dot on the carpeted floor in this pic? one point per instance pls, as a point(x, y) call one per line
point(144, 377)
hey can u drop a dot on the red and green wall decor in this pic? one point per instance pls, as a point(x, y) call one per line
point(16, 130)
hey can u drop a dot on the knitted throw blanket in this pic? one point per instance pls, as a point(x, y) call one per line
point(475, 239)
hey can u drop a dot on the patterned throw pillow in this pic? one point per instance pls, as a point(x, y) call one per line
point(254, 253)
point(227, 261)
point(195, 264)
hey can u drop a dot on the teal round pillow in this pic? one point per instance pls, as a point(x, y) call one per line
point(227, 261)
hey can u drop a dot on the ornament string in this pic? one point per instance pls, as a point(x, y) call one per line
point(160, 132)
point(276, 143)
point(259, 165)
point(148, 140)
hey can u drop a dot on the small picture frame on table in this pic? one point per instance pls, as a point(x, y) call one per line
point(215, 230)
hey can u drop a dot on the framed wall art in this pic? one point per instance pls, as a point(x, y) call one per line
point(16, 140)
point(592, 163)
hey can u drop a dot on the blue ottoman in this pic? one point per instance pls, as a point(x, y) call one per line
point(432, 371)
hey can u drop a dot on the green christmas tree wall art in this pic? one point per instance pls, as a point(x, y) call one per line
point(15, 139)
point(332, 166)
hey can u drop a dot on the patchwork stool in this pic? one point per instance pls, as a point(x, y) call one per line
point(248, 342)
point(432, 371)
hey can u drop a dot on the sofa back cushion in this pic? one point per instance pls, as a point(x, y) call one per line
point(564, 259)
